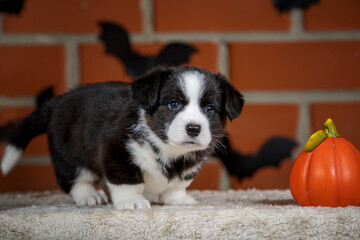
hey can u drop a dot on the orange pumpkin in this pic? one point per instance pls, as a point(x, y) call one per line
point(327, 171)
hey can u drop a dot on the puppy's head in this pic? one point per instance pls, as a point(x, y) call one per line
point(186, 107)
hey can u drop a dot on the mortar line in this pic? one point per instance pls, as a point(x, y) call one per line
point(148, 21)
point(72, 65)
point(304, 125)
point(225, 183)
point(17, 102)
point(39, 159)
point(275, 96)
point(251, 37)
point(223, 59)
point(297, 23)
point(46, 39)
point(14, 39)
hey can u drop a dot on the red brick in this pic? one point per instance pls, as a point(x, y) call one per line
point(333, 15)
point(208, 178)
point(97, 66)
point(258, 123)
point(73, 16)
point(268, 177)
point(38, 146)
point(26, 70)
point(218, 15)
point(345, 116)
point(295, 65)
point(24, 178)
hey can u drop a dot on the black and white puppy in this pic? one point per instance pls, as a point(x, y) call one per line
point(142, 141)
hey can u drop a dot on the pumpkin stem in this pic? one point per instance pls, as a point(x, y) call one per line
point(330, 128)
point(317, 138)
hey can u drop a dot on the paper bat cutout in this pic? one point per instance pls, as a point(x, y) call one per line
point(11, 6)
point(286, 5)
point(270, 154)
point(117, 42)
point(8, 130)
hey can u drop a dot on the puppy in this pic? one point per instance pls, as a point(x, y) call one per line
point(142, 141)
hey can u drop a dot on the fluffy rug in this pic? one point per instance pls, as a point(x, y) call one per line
point(251, 214)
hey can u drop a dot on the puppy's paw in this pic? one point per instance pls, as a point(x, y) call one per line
point(132, 204)
point(128, 196)
point(188, 200)
point(177, 198)
point(90, 200)
point(86, 195)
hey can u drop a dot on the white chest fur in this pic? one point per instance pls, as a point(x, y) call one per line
point(155, 181)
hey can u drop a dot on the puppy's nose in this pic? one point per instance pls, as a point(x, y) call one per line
point(193, 130)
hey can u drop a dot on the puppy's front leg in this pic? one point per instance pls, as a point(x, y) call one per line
point(126, 196)
point(176, 195)
point(124, 180)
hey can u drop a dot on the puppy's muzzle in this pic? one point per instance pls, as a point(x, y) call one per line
point(193, 130)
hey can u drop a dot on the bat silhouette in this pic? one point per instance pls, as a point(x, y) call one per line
point(11, 6)
point(117, 42)
point(286, 5)
point(271, 153)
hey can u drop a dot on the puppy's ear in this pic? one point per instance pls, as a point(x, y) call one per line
point(234, 100)
point(146, 89)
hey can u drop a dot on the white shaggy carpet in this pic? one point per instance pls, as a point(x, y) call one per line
point(251, 214)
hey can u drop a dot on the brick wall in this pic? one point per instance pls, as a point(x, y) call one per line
point(295, 69)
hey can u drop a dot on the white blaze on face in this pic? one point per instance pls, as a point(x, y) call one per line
point(192, 85)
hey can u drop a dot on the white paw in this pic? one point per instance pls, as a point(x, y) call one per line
point(86, 195)
point(177, 198)
point(128, 196)
point(139, 203)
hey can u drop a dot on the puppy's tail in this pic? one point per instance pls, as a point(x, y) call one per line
point(30, 127)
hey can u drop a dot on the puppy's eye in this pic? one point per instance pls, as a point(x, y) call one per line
point(210, 108)
point(174, 105)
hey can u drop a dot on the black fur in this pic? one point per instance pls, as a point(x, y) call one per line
point(90, 127)
point(30, 127)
